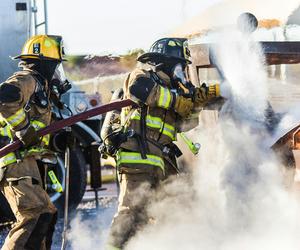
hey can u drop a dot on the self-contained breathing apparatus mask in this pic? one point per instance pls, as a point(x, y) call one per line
point(181, 85)
point(59, 83)
point(58, 86)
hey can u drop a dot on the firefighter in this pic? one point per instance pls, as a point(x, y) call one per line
point(145, 152)
point(24, 108)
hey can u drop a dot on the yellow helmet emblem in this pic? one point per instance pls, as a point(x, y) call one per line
point(43, 47)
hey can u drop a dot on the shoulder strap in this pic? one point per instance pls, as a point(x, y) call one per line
point(154, 77)
point(40, 96)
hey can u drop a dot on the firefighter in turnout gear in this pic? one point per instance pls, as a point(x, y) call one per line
point(145, 152)
point(24, 108)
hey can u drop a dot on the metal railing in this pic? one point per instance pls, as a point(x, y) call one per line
point(44, 23)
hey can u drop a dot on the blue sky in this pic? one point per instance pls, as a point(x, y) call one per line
point(116, 26)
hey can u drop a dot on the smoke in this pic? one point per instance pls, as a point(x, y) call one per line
point(90, 227)
point(290, 119)
point(235, 198)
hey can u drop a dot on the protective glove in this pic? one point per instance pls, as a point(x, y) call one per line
point(183, 106)
point(205, 93)
point(28, 136)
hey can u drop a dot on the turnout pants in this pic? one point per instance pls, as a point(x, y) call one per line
point(136, 191)
point(35, 214)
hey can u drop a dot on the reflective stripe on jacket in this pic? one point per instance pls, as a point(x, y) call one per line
point(11, 157)
point(16, 119)
point(164, 100)
point(157, 123)
point(135, 158)
point(13, 116)
point(160, 118)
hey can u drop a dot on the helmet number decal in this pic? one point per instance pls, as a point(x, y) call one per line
point(36, 48)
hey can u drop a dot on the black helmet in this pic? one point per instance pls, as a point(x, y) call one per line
point(167, 50)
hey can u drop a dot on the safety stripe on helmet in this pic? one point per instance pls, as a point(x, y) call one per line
point(164, 98)
point(136, 158)
point(17, 118)
point(156, 122)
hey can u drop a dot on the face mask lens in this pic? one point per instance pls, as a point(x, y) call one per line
point(60, 73)
point(60, 83)
point(179, 74)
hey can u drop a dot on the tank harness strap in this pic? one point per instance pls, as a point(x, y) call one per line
point(168, 152)
point(156, 78)
point(143, 138)
point(40, 96)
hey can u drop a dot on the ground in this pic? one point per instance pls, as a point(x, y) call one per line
point(87, 213)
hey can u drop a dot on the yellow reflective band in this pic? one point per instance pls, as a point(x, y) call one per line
point(17, 118)
point(38, 150)
point(55, 182)
point(136, 158)
point(11, 157)
point(46, 139)
point(164, 98)
point(111, 247)
point(6, 132)
point(169, 131)
point(37, 126)
point(2, 123)
point(8, 159)
point(156, 122)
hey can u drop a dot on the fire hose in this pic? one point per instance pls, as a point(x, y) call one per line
point(56, 126)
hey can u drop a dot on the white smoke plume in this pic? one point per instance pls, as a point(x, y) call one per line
point(235, 198)
point(89, 229)
point(290, 119)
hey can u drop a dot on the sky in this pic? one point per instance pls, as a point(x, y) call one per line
point(117, 26)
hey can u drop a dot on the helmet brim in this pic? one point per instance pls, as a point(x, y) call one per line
point(39, 57)
point(157, 58)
